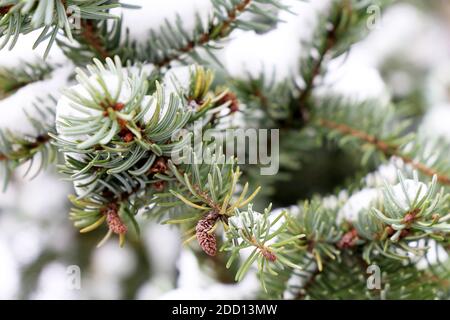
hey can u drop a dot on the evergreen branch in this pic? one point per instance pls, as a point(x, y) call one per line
point(424, 211)
point(386, 148)
point(407, 212)
point(117, 142)
point(404, 213)
point(117, 131)
point(207, 36)
point(337, 31)
point(288, 103)
point(250, 229)
point(173, 44)
point(343, 280)
point(129, 135)
point(380, 135)
point(206, 188)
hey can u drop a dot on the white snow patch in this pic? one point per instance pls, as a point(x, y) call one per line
point(353, 80)
point(362, 200)
point(385, 172)
point(436, 122)
point(113, 261)
point(53, 284)
point(9, 272)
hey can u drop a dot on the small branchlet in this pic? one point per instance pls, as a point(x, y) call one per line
point(12, 79)
point(201, 98)
point(408, 211)
point(250, 229)
point(412, 207)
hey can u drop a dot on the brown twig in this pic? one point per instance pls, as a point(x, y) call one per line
point(384, 147)
point(306, 92)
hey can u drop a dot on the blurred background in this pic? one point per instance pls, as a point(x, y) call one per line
point(406, 58)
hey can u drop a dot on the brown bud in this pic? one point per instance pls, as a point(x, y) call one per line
point(404, 233)
point(115, 224)
point(349, 239)
point(160, 165)
point(123, 124)
point(204, 38)
point(268, 254)
point(125, 133)
point(118, 106)
point(234, 105)
point(4, 10)
point(389, 231)
point(159, 185)
point(128, 137)
point(409, 217)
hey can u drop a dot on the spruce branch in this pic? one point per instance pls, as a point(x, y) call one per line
point(120, 115)
point(117, 141)
point(175, 44)
point(207, 188)
point(336, 32)
point(380, 235)
point(288, 103)
point(17, 149)
point(345, 280)
point(420, 213)
point(407, 212)
point(115, 138)
point(312, 252)
point(388, 149)
point(250, 229)
point(119, 127)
